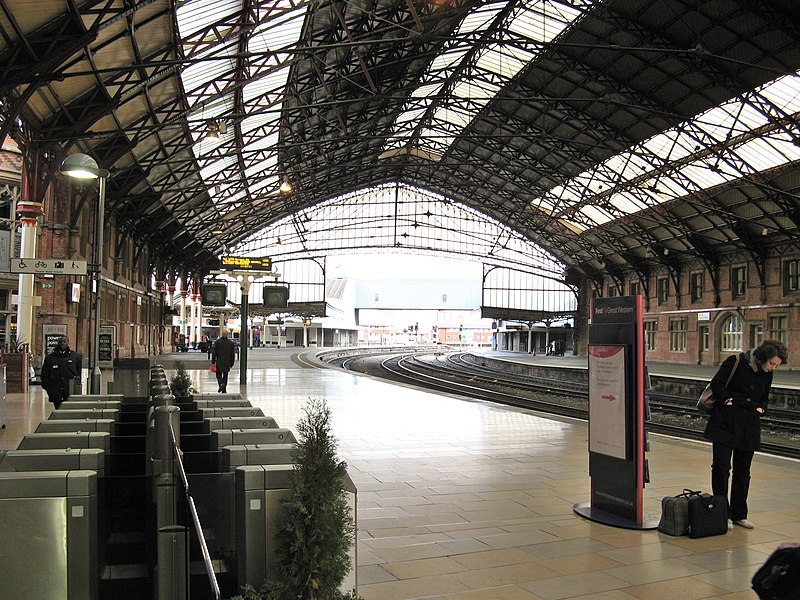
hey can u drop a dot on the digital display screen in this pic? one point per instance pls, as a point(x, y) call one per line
point(276, 296)
point(215, 294)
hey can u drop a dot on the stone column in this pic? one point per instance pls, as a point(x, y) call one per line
point(29, 213)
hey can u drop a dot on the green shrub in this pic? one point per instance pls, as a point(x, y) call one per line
point(181, 384)
point(316, 527)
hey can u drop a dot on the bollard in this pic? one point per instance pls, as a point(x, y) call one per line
point(171, 576)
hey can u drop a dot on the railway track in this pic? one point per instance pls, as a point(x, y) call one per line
point(450, 373)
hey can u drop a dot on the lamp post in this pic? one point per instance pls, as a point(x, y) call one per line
point(82, 166)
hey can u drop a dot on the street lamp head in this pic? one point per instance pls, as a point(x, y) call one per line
point(82, 166)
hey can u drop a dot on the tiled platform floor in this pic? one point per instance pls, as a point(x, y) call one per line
point(464, 500)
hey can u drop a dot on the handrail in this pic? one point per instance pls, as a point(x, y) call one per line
point(212, 577)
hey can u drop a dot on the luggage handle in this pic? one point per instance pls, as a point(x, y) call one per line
point(689, 493)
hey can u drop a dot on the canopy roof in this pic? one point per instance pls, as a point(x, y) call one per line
point(613, 134)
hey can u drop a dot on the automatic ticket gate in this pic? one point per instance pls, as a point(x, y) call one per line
point(54, 459)
point(49, 519)
point(260, 492)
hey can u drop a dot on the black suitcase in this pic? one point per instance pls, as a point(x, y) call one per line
point(708, 515)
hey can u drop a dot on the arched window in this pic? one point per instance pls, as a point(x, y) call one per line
point(732, 333)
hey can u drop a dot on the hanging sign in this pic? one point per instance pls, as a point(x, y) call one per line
point(48, 266)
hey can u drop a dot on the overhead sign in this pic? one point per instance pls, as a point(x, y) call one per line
point(48, 266)
point(245, 263)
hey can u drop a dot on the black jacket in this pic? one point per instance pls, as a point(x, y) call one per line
point(58, 368)
point(224, 354)
point(738, 425)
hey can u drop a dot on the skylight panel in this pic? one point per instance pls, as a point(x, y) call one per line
point(258, 120)
point(199, 74)
point(217, 166)
point(731, 124)
point(455, 116)
point(506, 62)
point(480, 19)
point(537, 20)
point(596, 214)
point(448, 60)
point(730, 119)
point(702, 175)
point(274, 82)
point(264, 166)
point(626, 202)
point(194, 15)
point(762, 154)
point(265, 142)
point(543, 21)
point(426, 91)
point(281, 32)
point(784, 92)
point(670, 145)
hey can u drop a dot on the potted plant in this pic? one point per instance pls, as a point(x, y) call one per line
point(316, 527)
point(181, 384)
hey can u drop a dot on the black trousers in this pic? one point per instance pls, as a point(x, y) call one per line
point(222, 380)
point(740, 485)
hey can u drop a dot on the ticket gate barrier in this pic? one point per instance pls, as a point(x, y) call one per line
point(256, 454)
point(222, 403)
point(213, 423)
point(76, 439)
point(93, 398)
point(91, 404)
point(54, 459)
point(217, 396)
point(66, 425)
point(237, 411)
point(236, 437)
point(37, 510)
point(260, 492)
point(85, 413)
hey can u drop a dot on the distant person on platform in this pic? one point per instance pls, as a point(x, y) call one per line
point(59, 368)
point(223, 355)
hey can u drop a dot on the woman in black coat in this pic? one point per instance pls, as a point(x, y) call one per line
point(734, 425)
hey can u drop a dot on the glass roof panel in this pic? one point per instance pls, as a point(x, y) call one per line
point(732, 123)
point(627, 202)
point(762, 154)
point(784, 92)
point(280, 32)
point(418, 220)
point(194, 15)
point(543, 21)
point(215, 167)
point(702, 175)
point(262, 166)
point(733, 118)
point(538, 20)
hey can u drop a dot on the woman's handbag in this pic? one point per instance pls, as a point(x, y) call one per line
point(706, 400)
point(708, 515)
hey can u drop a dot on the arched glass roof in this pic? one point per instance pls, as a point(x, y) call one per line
point(605, 133)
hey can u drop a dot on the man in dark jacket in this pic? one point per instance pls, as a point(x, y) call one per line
point(734, 425)
point(60, 366)
point(223, 355)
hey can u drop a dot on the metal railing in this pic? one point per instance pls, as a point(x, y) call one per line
point(209, 567)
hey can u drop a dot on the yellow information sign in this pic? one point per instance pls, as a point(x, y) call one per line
point(245, 263)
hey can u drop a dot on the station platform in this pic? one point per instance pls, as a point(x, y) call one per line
point(467, 500)
point(784, 376)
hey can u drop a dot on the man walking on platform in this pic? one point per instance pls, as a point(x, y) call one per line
point(223, 355)
point(59, 368)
